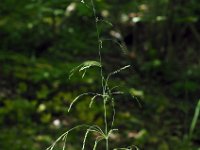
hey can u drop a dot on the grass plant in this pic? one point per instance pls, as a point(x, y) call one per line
point(107, 94)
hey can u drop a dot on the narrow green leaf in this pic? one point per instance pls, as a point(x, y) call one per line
point(194, 120)
point(92, 63)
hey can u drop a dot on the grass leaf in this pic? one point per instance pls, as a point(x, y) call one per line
point(194, 120)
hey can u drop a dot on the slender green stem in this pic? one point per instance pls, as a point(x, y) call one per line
point(106, 123)
point(102, 76)
point(99, 44)
point(105, 117)
point(107, 144)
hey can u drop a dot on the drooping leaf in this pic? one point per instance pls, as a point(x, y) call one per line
point(84, 66)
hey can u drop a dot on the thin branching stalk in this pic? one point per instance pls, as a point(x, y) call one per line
point(102, 76)
point(99, 43)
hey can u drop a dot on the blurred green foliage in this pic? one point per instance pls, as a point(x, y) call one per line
point(41, 41)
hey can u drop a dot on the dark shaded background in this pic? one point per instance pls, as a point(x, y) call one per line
point(41, 41)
